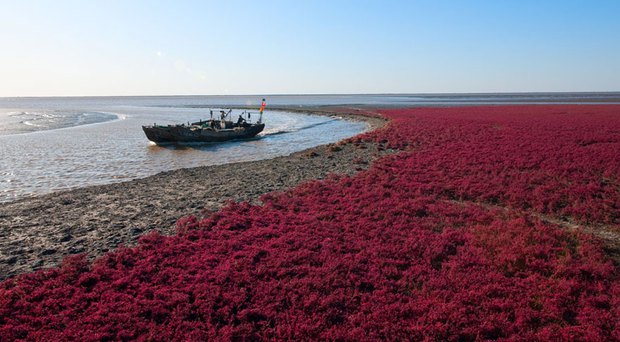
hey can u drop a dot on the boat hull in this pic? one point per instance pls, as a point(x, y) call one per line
point(192, 134)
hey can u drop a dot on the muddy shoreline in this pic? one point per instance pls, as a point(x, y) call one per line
point(38, 232)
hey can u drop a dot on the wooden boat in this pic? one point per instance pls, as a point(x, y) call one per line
point(204, 131)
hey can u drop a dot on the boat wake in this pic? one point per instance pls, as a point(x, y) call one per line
point(286, 131)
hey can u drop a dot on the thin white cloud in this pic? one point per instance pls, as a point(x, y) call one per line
point(182, 67)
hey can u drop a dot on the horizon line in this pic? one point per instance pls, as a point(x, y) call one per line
point(325, 94)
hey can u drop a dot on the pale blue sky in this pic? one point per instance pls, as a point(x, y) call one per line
point(113, 47)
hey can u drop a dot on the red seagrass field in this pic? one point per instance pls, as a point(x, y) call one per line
point(498, 222)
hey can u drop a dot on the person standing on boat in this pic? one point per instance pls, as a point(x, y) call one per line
point(262, 108)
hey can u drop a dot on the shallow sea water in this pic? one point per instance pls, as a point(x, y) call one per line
point(45, 147)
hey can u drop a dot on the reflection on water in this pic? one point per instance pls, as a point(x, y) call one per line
point(44, 161)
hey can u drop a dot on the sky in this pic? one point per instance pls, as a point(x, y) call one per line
point(135, 47)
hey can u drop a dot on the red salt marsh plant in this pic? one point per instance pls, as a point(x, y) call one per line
point(556, 160)
point(409, 249)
